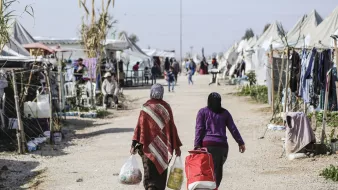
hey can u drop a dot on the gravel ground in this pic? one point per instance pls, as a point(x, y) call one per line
point(95, 150)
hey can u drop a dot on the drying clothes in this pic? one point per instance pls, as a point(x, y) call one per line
point(326, 64)
point(299, 133)
point(90, 63)
point(295, 71)
point(332, 101)
point(302, 72)
point(316, 87)
point(308, 75)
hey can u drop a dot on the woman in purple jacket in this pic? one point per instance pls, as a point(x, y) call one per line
point(211, 133)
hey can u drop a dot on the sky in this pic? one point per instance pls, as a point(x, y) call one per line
point(212, 24)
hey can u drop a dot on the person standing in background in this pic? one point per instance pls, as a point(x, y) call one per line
point(147, 75)
point(191, 72)
point(167, 64)
point(176, 69)
point(171, 79)
point(154, 71)
point(135, 70)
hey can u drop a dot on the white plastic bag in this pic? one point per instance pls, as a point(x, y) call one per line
point(130, 173)
point(175, 180)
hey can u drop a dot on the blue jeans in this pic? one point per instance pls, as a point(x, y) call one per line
point(190, 79)
point(172, 85)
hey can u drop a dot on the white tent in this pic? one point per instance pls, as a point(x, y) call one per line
point(252, 42)
point(159, 53)
point(271, 36)
point(305, 25)
point(321, 36)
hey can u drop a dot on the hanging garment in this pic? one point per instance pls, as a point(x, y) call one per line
point(316, 86)
point(326, 65)
point(298, 132)
point(332, 101)
point(295, 71)
point(308, 75)
point(302, 72)
point(90, 63)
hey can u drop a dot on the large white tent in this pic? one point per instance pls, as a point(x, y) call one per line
point(308, 23)
point(271, 36)
point(159, 53)
point(321, 37)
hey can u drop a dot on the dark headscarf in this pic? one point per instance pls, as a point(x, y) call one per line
point(215, 102)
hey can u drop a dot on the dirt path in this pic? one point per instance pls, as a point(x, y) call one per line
point(96, 152)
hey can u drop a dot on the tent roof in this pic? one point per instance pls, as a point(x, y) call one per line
point(14, 48)
point(323, 32)
point(21, 35)
point(38, 46)
point(304, 27)
point(271, 35)
point(158, 53)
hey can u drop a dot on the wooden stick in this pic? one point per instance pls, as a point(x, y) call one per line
point(280, 82)
point(21, 132)
point(272, 81)
point(286, 82)
point(327, 90)
point(50, 107)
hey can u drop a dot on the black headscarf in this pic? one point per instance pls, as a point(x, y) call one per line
point(215, 102)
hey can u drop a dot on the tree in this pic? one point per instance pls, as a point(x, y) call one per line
point(248, 34)
point(133, 38)
point(266, 27)
point(95, 31)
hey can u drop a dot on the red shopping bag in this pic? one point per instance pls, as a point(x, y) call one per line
point(199, 168)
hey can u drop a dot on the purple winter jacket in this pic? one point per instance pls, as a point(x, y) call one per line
point(210, 127)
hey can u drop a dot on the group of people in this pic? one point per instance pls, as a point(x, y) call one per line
point(149, 74)
point(156, 137)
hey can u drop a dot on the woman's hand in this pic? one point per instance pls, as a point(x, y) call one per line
point(178, 152)
point(133, 151)
point(242, 148)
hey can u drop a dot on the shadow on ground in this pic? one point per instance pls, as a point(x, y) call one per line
point(69, 134)
point(19, 174)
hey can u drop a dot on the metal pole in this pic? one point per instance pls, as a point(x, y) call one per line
point(181, 30)
point(21, 132)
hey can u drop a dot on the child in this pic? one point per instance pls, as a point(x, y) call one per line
point(147, 75)
point(171, 79)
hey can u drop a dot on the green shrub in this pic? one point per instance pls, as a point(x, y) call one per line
point(330, 173)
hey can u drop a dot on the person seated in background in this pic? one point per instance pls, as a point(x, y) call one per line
point(109, 90)
point(147, 75)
